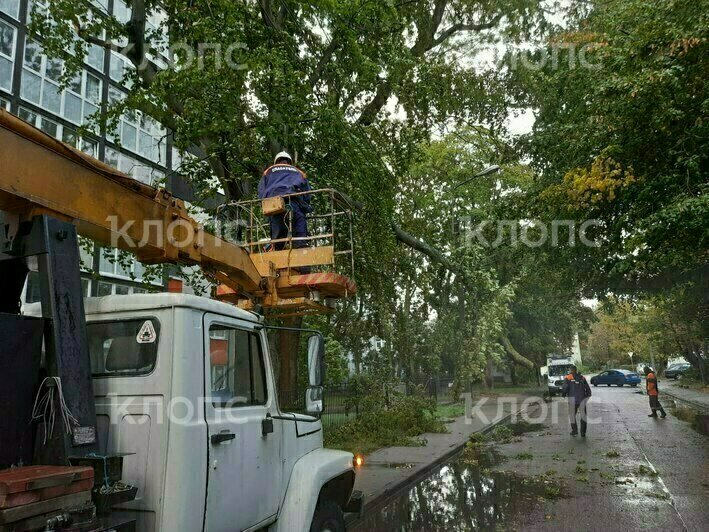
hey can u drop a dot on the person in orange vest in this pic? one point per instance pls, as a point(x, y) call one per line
point(653, 393)
point(578, 391)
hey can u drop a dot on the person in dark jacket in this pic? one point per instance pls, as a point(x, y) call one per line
point(281, 179)
point(577, 391)
point(653, 393)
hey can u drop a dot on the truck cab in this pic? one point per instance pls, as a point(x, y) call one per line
point(557, 370)
point(184, 387)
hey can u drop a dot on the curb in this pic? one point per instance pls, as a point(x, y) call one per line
point(385, 497)
point(700, 406)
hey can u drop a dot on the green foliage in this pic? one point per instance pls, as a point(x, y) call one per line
point(647, 471)
point(336, 362)
point(501, 434)
point(655, 327)
point(625, 140)
point(378, 426)
point(450, 411)
point(552, 492)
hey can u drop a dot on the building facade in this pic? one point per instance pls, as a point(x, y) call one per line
point(139, 146)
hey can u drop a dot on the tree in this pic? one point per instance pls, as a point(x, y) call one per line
point(248, 78)
point(618, 332)
point(622, 139)
point(321, 79)
point(478, 302)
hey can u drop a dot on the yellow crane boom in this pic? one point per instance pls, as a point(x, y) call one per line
point(41, 175)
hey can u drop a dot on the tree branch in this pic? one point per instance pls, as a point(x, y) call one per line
point(459, 27)
point(425, 42)
point(421, 246)
point(514, 354)
point(322, 63)
point(369, 113)
point(266, 7)
point(91, 39)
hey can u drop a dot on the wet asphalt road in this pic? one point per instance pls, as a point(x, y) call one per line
point(631, 472)
point(623, 492)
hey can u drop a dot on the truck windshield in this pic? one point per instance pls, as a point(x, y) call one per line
point(123, 348)
point(557, 371)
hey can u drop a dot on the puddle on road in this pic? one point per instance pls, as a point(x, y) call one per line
point(463, 494)
point(685, 412)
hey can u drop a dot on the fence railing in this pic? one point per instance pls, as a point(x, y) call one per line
point(343, 402)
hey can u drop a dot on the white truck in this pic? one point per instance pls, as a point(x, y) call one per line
point(558, 366)
point(185, 385)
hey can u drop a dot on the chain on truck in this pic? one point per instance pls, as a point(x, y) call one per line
point(158, 411)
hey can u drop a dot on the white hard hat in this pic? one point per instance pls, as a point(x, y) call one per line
point(283, 155)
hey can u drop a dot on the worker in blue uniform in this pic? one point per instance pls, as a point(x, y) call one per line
point(281, 179)
point(578, 391)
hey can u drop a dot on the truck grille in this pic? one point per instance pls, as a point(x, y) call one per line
point(559, 383)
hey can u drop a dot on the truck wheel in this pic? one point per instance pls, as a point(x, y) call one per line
point(328, 518)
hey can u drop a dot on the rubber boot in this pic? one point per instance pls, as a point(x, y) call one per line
point(574, 429)
point(654, 413)
point(663, 414)
point(583, 427)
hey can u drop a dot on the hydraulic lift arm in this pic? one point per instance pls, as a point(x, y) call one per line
point(41, 175)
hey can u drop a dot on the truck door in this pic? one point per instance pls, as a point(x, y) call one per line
point(244, 478)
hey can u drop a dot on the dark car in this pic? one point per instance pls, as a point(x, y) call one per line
point(619, 377)
point(675, 370)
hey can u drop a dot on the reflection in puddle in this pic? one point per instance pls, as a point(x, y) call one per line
point(699, 421)
point(462, 495)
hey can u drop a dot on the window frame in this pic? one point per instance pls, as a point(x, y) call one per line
point(157, 325)
point(220, 325)
point(16, 15)
point(13, 57)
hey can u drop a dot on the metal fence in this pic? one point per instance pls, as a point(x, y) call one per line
point(343, 402)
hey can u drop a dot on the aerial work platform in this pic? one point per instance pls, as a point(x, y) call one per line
point(41, 175)
point(307, 273)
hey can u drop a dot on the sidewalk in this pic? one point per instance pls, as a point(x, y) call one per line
point(698, 399)
point(387, 470)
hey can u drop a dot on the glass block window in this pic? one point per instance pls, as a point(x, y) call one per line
point(64, 133)
point(8, 37)
point(40, 86)
point(10, 8)
point(137, 132)
point(110, 266)
point(134, 168)
point(101, 4)
point(106, 288)
point(119, 65)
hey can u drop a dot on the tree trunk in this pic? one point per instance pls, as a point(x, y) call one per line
point(489, 379)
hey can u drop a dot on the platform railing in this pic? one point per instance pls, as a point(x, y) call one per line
point(330, 224)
